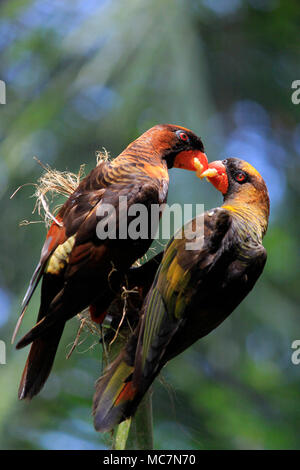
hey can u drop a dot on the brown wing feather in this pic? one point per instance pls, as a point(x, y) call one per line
point(91, 259)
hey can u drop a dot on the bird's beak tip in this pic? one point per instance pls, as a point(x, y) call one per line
point(209, 173)
point(198, 167)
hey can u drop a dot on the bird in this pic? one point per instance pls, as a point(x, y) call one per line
point(195, 288)
point(78, 269)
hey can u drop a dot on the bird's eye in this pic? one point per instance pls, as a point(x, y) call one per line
point(240, 177)
point(183, 136)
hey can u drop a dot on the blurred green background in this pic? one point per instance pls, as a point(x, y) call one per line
point(87, 74)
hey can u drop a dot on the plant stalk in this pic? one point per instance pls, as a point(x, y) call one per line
point(136, 433)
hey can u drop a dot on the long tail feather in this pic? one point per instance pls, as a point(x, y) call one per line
point(36, 332)
point(32, 286)
point(49, 246)
point(53, 318)
point(114, 395)
point(39, 363)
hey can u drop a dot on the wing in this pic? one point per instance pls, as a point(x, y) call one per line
point(88, 247)
point(179, 276)
point(68, 220)
point(242, 275)
point(80, 258)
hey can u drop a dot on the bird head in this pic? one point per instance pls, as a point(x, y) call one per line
point(177, 146)
point(239, 182)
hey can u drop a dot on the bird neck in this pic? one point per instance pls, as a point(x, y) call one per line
point(251, 217)
point(141, 158)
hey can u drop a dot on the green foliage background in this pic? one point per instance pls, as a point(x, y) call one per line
point(87, 74)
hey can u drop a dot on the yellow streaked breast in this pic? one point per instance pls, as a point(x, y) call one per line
point(60, 257)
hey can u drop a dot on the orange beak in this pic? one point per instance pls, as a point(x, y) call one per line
point(216, 174)
point(192, 160)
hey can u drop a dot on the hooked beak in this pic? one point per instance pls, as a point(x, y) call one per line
point(216, 174)
point(193, 160)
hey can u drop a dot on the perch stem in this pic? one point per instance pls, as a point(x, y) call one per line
point(136, 433)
